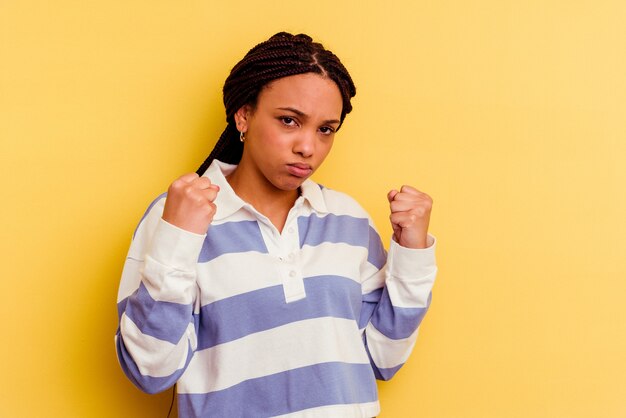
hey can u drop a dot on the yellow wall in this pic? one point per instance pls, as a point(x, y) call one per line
point(511, 114)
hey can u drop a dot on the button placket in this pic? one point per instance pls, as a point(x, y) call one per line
point(293, 283)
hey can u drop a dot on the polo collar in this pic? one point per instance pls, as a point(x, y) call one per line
point(227, 202)
point(312, 193)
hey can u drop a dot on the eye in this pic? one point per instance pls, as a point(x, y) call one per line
point(327, 130)
point(289, 121)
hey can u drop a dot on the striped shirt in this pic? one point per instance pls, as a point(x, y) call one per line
point(252, 322)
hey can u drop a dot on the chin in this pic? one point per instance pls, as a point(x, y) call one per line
point(289, 186)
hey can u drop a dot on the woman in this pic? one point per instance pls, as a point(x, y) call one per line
point(258, 292)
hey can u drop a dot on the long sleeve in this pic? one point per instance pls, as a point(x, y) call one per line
point(157, 330)
point(396, 297)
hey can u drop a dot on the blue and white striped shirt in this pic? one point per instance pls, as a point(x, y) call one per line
point(251, 322)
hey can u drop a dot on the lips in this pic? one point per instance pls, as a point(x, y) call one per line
point(299, 169)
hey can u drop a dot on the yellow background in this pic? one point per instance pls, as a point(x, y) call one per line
point(509, 113)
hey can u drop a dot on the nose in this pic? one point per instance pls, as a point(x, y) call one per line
point(304, 144)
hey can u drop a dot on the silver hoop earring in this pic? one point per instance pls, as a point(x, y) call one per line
point(242, 136)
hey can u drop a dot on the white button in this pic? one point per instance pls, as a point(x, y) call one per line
point(292, 273)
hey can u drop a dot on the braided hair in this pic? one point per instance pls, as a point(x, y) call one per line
point(280, 56)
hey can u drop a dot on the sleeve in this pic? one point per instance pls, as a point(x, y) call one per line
point(157, 329)
point(396, 292)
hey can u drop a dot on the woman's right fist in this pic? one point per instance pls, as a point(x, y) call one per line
point(189, 203)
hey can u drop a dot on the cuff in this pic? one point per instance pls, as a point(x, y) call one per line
point(175, 247)
point(412, 263)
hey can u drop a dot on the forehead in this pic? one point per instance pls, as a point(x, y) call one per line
point(310, 93)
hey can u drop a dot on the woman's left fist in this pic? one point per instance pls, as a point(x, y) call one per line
point(410, 215)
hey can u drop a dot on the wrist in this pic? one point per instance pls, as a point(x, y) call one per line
point(419, 241)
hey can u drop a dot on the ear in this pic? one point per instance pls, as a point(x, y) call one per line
point(242, 117)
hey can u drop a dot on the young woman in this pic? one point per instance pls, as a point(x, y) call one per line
point(258, 292)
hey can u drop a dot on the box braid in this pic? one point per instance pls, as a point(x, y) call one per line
point(280, 56)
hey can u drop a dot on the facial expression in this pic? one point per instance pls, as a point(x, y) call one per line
point(291, 130)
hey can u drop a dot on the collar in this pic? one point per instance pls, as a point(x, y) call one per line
point(312, 193)
point(227, 201)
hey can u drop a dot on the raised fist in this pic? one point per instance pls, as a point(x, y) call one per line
point(189, 204)
point(410, 215)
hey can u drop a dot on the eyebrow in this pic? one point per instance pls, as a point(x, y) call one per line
point(304, 115)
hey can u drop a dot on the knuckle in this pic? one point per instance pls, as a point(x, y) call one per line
point(175, 184)
point(188, 190)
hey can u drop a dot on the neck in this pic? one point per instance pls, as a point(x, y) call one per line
point(254, 189)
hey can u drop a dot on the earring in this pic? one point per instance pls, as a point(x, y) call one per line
point(242, 136)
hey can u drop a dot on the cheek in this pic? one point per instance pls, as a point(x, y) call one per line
point(272, 148)
point(265, 141)
point(275, 137)
point(327, 146)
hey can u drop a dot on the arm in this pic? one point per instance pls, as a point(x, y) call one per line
point(395, 301)
point(156, 337)
point(397, 296)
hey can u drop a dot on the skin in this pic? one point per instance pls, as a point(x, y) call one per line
point(292, 125)
point(288, 134)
